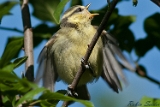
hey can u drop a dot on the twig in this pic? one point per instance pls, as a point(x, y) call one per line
point(28, 40)
point(11, 29)
point(153, 80)
point(91, 46)
point(157, 2)
point(93, 42)
point(143, 73)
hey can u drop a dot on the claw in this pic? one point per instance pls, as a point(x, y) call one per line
point(71, 92)
point(88, 66)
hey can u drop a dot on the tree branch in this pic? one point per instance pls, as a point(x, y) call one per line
point(28, 41)
point(93, 42)
point(157, 2)
point(11, 29)
point(91, 46)
point(143, 73)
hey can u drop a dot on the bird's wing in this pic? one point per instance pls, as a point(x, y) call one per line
point(46, 70)
point(113, 46)
point(111, 66)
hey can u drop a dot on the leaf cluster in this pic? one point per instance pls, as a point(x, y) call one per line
point(15, 91)
point(49, 11)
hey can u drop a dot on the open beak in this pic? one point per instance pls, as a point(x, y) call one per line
point(91, 15)
point(88, 6)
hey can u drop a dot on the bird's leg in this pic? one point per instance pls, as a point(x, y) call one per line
point(88, 66)
point(71, 91)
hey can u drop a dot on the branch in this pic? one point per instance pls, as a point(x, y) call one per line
point(143, 73)
point(11, 29)
point(157, 2)
point(28, 41)
point(91, 46)
point(93, 42)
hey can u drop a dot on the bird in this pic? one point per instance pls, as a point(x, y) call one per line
point(61, 56)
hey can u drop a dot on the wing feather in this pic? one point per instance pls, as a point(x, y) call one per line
point(112, 67)
point(46, 70)
point(118, 52)
point(110, 73)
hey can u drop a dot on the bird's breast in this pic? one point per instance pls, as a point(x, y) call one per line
point(68, 53)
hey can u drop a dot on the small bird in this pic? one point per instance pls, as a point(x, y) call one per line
point(61, 56)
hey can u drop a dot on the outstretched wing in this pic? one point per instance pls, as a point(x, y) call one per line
point(112, 68)
point(46, 70)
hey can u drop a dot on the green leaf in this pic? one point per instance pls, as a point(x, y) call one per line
point(125, 38)
point(8, 68)
point(6, 102)
point(152, 28)
point(43, 9)
point(29, 96)
point(122, 32)
point(43, 31)
point(58, 96)
point(47, 104)
point(76, 2)
point(152, 25)
point(11, 50)
point(59, 10)
point(124, 21)
point(6, 7)
point(19, 61)
point(11, 85)
point(142, 46)
point(10, 82)
point(118, 26)
point(50, 102)
point(149, 102)
point(62, 91)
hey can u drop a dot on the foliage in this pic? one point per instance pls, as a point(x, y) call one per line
point(148, 101)
point(151, 26)
point(48, 11)
point(5, 8)
point(15, 91)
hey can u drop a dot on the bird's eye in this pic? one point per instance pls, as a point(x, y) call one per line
point(79, 10)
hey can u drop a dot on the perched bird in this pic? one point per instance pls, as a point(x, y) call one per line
point(61, 56)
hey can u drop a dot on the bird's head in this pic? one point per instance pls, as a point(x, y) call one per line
point(77, 16)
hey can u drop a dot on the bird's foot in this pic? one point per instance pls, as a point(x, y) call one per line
point(88, 66)
point(71, 92)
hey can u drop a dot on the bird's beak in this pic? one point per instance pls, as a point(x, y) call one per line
point(88, 6)
point(92, 15)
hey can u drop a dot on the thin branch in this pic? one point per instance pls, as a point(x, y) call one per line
point(142, 73)
point(91, 46)
point(28, 40)
point(157, 2)
point(93, 42)
point(153, 80)
point(11, 29)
